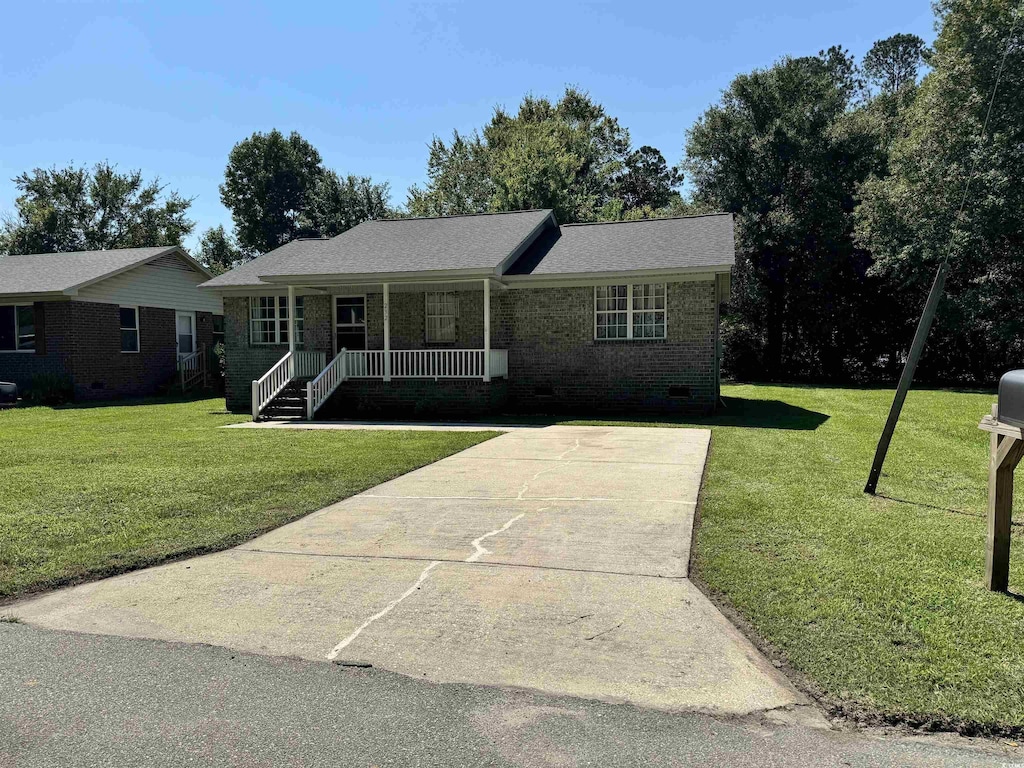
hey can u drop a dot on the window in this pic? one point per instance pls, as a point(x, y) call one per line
point(268, 319)
point(129, 329)
point(442, 310)
point(350, 322)
point(629, 311)
point(18, 328)
point(218, 329)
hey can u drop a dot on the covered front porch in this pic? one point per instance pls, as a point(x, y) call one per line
point(381, 331)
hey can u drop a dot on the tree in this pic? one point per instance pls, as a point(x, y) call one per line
point(77, 208)
point(268, 185)
point(570, 156)
point(909, 218)
point(647, 181)
point(893, 63)
point(781, 152)
point(459, 179)
point(338, 204)
point(218, 251)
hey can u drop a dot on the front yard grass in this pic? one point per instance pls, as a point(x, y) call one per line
point(91, 491)
point(880, 601)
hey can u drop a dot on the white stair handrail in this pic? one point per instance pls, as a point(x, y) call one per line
point(323, 386)
point(270, 384)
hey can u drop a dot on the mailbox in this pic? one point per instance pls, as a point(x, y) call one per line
point(1011, 398)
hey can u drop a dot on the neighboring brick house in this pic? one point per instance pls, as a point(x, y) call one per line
point(108, 323)
point(464, 315)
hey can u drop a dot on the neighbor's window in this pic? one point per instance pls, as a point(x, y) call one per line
point(268, 319)
point(442, 311)
point(129, 329)
point(629, 311)
point(18, 328)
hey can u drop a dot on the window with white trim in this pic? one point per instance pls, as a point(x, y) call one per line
point(442, 312)
point(268, 320)
point(129, 328)
point(630, 311)
point(18, 328)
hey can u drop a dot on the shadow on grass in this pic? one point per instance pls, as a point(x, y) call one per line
point(190, 397)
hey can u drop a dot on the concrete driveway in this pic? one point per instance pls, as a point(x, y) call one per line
point(553, 559)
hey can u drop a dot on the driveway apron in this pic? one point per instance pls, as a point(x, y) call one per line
point(553, 559)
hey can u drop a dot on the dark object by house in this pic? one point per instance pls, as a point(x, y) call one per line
point(1011, 398)
point(8, 392)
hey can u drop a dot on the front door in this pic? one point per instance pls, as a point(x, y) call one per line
point(349, 322)
point(185, 324)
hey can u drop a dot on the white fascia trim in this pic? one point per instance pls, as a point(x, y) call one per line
point(177, 249)
point(614, 278)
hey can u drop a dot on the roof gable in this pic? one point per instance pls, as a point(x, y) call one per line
point(684, 243)
point(66, 273)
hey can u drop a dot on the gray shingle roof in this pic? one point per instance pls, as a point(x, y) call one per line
point(690, 242)
point(474, 242)
point(58, 272)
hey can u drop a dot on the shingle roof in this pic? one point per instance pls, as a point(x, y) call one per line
point(690, 242)
point(58, 272)
point(473, 242)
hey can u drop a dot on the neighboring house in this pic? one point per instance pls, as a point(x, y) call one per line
point(110, 323)
point(458, 315)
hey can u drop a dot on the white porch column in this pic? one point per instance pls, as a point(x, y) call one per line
point(487, 329)
point(291, 318)
point(387, 333)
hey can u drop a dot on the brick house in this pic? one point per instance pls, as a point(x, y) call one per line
point(110, 324)
point(460, 315)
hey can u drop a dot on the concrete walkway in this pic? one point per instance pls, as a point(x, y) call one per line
point(552, 559)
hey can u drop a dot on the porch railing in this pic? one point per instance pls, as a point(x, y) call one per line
point(323, 386)
point(294, 365)
point(192, 369)
point(426, 363)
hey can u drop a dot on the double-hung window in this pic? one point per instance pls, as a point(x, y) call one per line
point(268, 319)
point(442, 312)
point(129, 329)
point(18, 328)
point(630, 311)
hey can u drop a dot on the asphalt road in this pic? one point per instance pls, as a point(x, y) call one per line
point(75, 700)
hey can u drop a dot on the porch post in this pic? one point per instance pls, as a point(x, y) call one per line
point(387, 333)
point(487, 329)
point(291, 318)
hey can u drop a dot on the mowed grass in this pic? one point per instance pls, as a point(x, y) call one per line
point(87, 492)
point(880, 601)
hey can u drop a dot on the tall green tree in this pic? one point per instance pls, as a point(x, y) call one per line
point(893, 63)
point(268, 185)
point(80, 208)
point(277, 189)
point(781, 152)
point(909, 217)
point(459, 179)
point(218, 251)
point(338, 204)
point(569, 155)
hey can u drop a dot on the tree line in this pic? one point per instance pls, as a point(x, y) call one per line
point(845, 178)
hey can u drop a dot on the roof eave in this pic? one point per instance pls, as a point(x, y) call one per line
point(354, 278)
point(73, 289)
point(612, 274)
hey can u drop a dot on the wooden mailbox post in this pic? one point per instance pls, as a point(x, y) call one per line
point(1005, 452)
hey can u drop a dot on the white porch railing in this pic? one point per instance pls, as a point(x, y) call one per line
point(323, 386)
point(192, 369)
point(294, 365)
point(426, 363)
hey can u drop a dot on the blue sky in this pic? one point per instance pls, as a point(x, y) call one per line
point(170, 87)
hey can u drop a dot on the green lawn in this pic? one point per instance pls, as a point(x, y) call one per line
point(879, 601)
point(87, 492)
